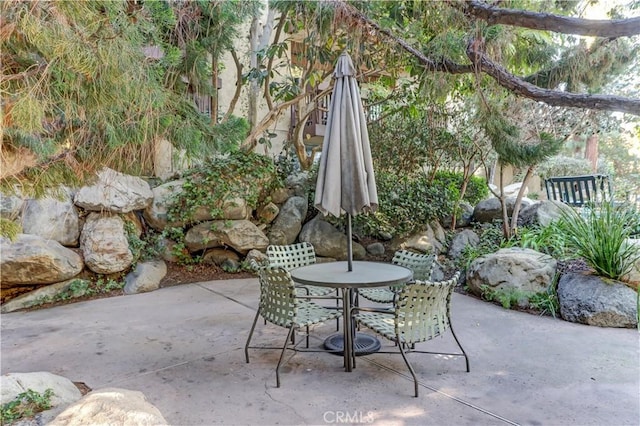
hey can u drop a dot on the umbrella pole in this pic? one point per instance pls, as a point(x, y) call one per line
point(349, 245)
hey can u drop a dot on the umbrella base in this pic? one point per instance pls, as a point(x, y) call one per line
point(363, 344)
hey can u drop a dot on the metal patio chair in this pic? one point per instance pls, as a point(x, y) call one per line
point(281, 305)
point(420, 313)
point(420, 264)
point(292, 256)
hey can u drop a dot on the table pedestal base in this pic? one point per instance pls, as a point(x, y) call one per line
point(363, 344)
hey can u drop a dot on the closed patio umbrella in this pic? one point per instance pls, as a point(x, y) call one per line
point(346, 182)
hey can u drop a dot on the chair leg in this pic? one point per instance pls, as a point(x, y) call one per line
point(466, 358)
point(406, 361)
point(253, 326)
point(284, 348)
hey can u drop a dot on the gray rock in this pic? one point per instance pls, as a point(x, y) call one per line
point(329, 241)
point(541, 213)
point(111, 406)
point(461, 241)
point(146, 277)
point(298, 183)
point(375, 249)
point(592, 300)
point(75, 287)
point(512, 269)
point(115, 192)
point(32, 260)
point(241, 235)
point(464, 219)
point(64, 391)
point(53, 218)
point(287, 226)
point(10, 206)
point(488, 210)
point(104, 244)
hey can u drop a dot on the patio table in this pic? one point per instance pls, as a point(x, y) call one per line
point(364, 274)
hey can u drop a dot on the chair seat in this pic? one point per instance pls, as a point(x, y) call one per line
point(377, 294)
point(312, 290)
point(310, 313)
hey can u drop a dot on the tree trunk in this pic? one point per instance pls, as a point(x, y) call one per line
point(591, 152)
point(506, 229)
point(518, 203)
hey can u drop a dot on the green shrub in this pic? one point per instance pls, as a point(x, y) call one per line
point(26, 404)
point(599, 235)
point(408, 203)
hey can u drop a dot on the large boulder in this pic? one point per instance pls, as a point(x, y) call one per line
point(31, 260)
point(542, 213)
point(511, 270)
point(115, 192)
point(53, 217)
point(287, 226)
point(486, 211)
point(104, 244)
point(241, 235)
point(328, 241)
point(155, 214)
point(111, 406)
point(593, 300)
point(13, 384)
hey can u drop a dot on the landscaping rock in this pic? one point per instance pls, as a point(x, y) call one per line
point(461, 241)
point(287, 225)
point(53, 218)
point(375, 249)
point(328, 241)
point(218, 256)
point(593, 300)
point(104, 244)
point(512, 269)
point(490, 209)
point(241, 235)
point(10, 206)
point(13, 384)
point(111, 406)
point(74, 287)
point(115, 192)
point(542, 213)
point(466, 214)
point(268, 213)
point(146, 277)
point(32, 260)
point(431, 240)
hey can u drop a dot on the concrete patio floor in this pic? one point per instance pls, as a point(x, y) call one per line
point(183, 347)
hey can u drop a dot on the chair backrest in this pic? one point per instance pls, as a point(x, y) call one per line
point(579, 190)
point(421, 264)
point(292, 255)
point(422, 310)
point(278, 302)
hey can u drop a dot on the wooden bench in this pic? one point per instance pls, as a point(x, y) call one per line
point(577, 191)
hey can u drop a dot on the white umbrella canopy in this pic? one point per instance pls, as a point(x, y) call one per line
point(346, 181)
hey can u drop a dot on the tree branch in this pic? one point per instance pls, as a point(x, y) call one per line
point(550, 22)
point(550, 97)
